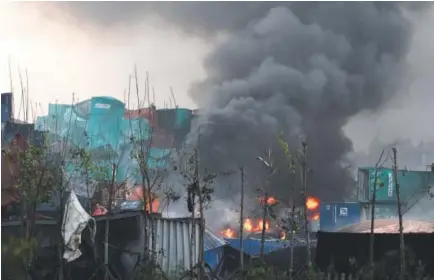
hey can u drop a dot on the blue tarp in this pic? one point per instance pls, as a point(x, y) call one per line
point(253, 246)
point(213, 247)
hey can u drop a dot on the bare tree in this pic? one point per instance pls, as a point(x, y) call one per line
point(198, 181)
point(402, 274)
point(303, 160)
point(291, 224)
point(268, 164)
point(151, 177)
point(378, 165)
point(242, 223)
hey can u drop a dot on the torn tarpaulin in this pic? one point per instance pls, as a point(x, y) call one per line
point(75, 220)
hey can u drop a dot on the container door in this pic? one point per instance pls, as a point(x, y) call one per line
point(386, 211)
point(347, 214)
point(327, 217)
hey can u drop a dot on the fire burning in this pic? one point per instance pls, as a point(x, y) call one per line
point(252, 226)
point(312, 203)
point(228, 233)
point(249, 225)
point(315, 217)
point(270, 200)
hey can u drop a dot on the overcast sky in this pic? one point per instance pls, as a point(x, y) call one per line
point(62, 58)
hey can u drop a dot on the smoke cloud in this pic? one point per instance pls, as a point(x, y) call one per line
point(304, 69)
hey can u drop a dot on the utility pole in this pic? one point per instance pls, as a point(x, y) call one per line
point(306, 220)
point(401, 229)
point(242, 223)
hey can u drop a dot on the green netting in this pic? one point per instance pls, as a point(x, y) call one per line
point(98, 126)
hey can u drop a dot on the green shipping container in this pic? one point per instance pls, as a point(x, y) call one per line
point(413, 184)
point(386, 211)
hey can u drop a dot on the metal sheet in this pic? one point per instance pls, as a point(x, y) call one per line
point(337, 215)
point(177, 243)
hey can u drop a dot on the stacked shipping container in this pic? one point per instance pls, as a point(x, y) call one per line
point(414, 185)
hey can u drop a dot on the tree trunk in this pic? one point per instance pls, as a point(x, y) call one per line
point(264, 216)
point(306, 218)
point(242, 224)
point(107, 223)
point(292, 226)
point(151, 219)
point(372, 233)
point(402, 274)
point(60, 238)
point(201, 236)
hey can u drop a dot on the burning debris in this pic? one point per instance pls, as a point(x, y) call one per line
point(228, 233)
point(274, 228)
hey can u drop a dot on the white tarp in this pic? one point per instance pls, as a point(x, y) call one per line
point(75, 220)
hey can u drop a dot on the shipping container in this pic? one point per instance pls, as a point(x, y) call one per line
point(337, 215)
point(382, 211)
point(413, 184)
point(7, 106)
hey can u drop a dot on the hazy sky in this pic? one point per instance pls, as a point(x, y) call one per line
point(411, 114)
point(63, 56)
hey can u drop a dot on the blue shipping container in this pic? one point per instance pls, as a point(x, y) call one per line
point(334, 216)
point(6, 108)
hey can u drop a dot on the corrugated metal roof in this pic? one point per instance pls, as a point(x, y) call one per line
point(212, 241)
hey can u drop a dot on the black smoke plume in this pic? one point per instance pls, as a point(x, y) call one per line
point(300, 68)
point(304, 70)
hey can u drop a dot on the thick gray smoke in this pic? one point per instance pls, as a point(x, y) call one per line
point(299, 68)
point(304, 70)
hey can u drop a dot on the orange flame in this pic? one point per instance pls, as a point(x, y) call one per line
point(282, 235)
point(228, 233)
point(315, 217)
point(312, 203)
point(254, 227)
point(248, 225)
point(261, 225)
point(270, 200)
point(137, 194)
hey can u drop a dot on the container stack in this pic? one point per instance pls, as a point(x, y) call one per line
point(414, 186)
